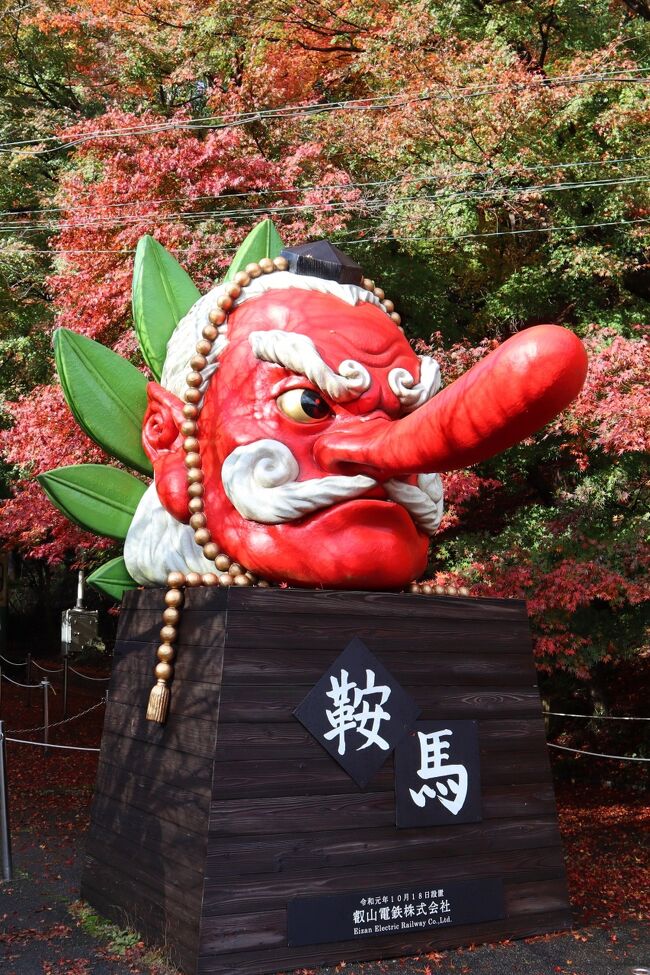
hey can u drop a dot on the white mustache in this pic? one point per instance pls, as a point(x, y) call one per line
point(260, 480)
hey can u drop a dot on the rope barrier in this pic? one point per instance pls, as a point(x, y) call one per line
point(580, 751)
point(55, 724)
point(14, 663)
point(42, 744)
point(18, 684)
point(595, 717)
point(86, 676)
point(48, 670)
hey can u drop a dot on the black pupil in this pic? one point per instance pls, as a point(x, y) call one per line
point(313, 404)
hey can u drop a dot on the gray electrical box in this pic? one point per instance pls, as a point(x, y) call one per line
point(79, 627)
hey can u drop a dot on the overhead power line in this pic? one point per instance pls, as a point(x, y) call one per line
point(503, 233)
point(362, 240)
point(374, 103)
point(367, 204)
point(444, 173)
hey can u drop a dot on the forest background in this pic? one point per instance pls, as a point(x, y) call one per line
point(486, 161)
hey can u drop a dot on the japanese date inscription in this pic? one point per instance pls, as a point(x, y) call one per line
point(373, 913)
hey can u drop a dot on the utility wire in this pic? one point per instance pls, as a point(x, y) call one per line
point(502, 233)
point(289, 190)
point(375, 103)
point(362, 240)
point(375, 203)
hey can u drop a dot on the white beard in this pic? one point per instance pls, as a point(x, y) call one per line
point(261, 481)
point(157, 544)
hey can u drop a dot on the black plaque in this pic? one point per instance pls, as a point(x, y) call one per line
point(358, 712)
point(438, 775)
point(400, 910)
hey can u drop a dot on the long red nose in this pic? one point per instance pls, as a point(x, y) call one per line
point(501, 400)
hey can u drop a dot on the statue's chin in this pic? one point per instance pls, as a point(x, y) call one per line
point(360, 544)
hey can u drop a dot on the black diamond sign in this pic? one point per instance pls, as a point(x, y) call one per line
point(358, 712)
point(438, 775)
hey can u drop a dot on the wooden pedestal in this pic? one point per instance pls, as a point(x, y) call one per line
point(204, 829)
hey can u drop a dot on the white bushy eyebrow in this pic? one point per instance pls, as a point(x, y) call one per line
point(410, 393)
point(297, 353)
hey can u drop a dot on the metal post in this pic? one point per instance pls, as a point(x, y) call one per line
point(80, 590)
point(5, 836)
point(29, 680)
point(45, 684)
point(65, 686)
point(0, 683)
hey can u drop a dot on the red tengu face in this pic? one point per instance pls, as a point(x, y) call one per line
point(319, 436)
point(354, 536)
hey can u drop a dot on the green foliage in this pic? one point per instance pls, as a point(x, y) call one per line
point(107, 395)
point(99, 498)
point(262, 241)
point(113, 578)
point(162, 294)
point(118, 940)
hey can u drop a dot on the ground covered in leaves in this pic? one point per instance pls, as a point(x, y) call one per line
point(45, 931)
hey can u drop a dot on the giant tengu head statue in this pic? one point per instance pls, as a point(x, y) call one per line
point(295, 436)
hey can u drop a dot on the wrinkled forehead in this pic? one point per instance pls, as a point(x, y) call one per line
point(339, 331)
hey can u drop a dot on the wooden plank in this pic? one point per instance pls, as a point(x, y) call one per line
point(201, 665)
point(194, 629)
point(112, 779)
point(268, 893)
point(181, 883)
point(458, 665)
point(301, 632)
point(167, 900)
point(316, 773)
point(321, 602)
point(110, 818)
point(171, 812)
point(240, 702)
point(248, 932)
point(160, 765)
point(290, 739)
point(537, 896)
point(334, 602)
point(304, 814)
point(230, 858)
point(178, 734)
point(261, 962)
point(272, 665)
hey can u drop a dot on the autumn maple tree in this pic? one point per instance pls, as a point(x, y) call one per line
point(486, 162)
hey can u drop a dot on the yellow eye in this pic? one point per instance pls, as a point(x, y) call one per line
point(303, 405)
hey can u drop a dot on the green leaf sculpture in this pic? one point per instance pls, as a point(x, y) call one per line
point(107, 395)
point(262, 241)
point(162, 294)
point(112, 578)
point(98, 498)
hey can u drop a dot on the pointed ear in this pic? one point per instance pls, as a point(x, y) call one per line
point(163, 444)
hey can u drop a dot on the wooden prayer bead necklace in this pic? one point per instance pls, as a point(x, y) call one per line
point(228, 572)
